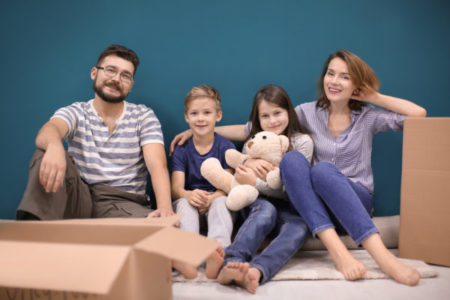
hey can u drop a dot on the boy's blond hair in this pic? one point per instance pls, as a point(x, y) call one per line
point(202, 91)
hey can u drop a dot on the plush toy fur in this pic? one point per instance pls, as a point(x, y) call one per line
point(264, 145)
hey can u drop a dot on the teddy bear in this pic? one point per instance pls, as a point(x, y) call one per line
point(263, 145)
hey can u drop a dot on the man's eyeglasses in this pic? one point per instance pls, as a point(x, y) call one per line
point(110, 71)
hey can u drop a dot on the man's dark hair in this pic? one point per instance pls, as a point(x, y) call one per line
point(122, 52)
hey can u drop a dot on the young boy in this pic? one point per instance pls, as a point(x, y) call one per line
point(197, 198)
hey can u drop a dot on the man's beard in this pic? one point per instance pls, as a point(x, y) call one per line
point(99, 91)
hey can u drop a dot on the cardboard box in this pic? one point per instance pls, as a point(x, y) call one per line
point(425, 194)
point(95, 258)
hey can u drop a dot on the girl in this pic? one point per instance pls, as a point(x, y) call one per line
point(272, 111)
point(338, 190)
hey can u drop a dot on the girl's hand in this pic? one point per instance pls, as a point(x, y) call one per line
point(260, 166)
point(179, 140)
point(245, 175)
point(197, 198)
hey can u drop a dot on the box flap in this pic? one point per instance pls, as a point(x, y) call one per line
point(180, 245)
point(53, 266)
point(167, 221)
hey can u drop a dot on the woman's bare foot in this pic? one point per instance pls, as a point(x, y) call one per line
point(389, 263)
point(343, 260)
point(214, 262)
point(188, 271)
point(233, 271)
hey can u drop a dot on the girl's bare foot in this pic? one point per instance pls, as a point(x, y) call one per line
point(214, 262)
point(233, 271)
point(251, 280)
point(188, 271)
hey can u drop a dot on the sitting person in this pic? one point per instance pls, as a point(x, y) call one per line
point(196, 197)
point(111, 145)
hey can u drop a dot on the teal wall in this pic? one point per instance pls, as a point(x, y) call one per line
point(48, 48)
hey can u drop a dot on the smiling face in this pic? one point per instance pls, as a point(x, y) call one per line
point(112, 89)
point(272, 117)
point(337, 83)
point(202, 115)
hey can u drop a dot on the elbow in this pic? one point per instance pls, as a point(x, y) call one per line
point(421, 113)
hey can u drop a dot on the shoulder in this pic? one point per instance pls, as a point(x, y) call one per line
point(301, 139)
point(222, 141)
point(181, 150)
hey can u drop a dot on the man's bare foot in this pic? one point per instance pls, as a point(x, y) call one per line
point(251, 280)
point(214, 262)
point(188, 271)
point(351, 268)
point(233, 271)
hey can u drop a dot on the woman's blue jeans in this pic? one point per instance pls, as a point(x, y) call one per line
point(322, 194)
point(263, 217)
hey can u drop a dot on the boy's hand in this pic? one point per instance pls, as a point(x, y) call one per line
point(179, 140)
point(245, 175)
point(260, 166)
point(198, 198)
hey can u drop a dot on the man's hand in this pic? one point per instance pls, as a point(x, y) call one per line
point(179, 140)
point(53, 168)
point(161, 213)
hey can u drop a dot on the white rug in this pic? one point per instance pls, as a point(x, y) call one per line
point(317, 265)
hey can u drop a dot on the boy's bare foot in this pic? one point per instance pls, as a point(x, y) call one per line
point(351, 268)
point(233, 271)
point(251, 280)
point(214, 262)
point(188, 271)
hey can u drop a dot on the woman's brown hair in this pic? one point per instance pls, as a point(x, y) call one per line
point(361, 75)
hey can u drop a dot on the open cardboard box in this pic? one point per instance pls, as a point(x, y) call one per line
point(95, 258)
point(425, 195)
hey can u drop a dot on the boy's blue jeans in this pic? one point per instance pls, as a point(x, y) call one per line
point(263, 217)
point(322, 194)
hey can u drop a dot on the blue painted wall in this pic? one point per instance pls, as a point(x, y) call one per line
point(48, 48)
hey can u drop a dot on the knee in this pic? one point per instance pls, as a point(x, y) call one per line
point(265, 209)
point(294, 161)
point(321, 171)
point(183, 206)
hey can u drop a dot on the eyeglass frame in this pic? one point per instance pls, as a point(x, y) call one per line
point(115, 73)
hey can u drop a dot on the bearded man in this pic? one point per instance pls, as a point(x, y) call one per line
point(112, 145)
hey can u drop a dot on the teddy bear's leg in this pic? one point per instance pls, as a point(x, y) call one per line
point(241, 196)
point(273, 179)
point(212, 170)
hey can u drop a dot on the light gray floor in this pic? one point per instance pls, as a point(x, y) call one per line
point(380, 289)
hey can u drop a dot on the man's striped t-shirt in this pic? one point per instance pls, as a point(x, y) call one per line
point(117, 159)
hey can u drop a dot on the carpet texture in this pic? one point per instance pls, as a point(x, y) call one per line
point(317, 265)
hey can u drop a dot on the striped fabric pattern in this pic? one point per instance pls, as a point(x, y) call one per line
point(116, 159)
point(351, 151)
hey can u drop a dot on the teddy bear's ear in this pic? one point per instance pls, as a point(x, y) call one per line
point(284, 141)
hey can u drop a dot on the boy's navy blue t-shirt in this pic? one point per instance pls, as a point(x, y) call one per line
point(186, 159)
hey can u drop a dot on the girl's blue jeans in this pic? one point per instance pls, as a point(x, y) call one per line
point(263, 217)
point(326, 198)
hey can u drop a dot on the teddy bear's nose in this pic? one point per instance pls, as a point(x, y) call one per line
point(250, 144)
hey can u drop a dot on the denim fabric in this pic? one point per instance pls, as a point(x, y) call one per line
point(263, 217)
point(317, 191)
